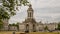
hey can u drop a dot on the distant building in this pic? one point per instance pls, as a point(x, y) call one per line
point(5, 24)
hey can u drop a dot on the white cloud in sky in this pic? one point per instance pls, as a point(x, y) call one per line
point(45, 3)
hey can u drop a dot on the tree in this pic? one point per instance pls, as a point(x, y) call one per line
point(12, 24)
point(1, 24)
point(58, 26)
point(17, 25)
point(12, 5)
point(9, 7)
point(46, 28)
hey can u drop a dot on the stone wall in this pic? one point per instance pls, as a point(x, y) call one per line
point(12, 28)
point(21, 27)
point(39, 27)
point(5, 24)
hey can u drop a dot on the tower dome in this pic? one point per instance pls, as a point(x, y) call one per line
point(30, 12)
point(30, 8)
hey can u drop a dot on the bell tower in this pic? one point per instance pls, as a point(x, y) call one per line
point(30, 12)
point(30, 23)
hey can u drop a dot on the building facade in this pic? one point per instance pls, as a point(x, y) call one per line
point(12, 28)
point(5, 24)
point(31, 25)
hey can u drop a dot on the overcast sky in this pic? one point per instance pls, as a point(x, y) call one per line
point(44, 10)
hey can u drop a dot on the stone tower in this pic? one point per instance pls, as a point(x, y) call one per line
point(30, 22)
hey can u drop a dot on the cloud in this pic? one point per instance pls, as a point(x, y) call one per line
point(45, 3)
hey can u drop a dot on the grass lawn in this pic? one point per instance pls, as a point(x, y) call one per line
point(44, 33)
point(5, 32)
point(10, 32)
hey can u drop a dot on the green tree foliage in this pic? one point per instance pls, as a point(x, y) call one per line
point(58, 26)
point(12, 4)
point(9, 7)
point(1, 24)
point(17, 25)
point(3, 14)
point(12, 24)
point(46, 28)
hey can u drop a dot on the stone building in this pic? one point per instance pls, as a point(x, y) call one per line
point(31, 25)
point(40, 26)
point(5, 24)
point(12, 28)
point(51, 26)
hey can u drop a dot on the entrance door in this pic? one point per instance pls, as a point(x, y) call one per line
point(27, 28)
point(34, 29)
